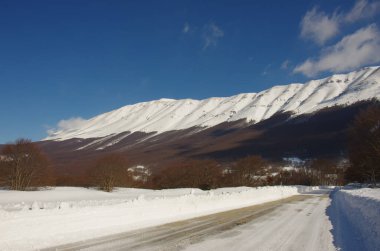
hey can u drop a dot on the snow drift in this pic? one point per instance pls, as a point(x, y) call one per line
point(357, 218)
point(33, 220)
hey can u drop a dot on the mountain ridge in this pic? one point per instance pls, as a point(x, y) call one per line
point(164, 115)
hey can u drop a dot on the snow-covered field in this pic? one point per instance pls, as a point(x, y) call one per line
point(37, 219)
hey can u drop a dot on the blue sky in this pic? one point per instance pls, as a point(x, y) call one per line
point(63, 59)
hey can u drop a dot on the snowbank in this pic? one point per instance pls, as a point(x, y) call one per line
point(38, 219)
point(361, 208)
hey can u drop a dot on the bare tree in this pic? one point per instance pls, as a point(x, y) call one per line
point(23, 166)
point(364, 146)
point(110, 171)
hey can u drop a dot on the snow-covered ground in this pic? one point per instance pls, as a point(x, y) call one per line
point(37, 219)
point(348, 220)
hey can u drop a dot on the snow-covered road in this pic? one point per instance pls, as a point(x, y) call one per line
point(299, 225)
point(295, 223)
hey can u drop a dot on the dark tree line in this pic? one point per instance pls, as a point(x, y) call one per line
point(364, 146)
point(249, 171)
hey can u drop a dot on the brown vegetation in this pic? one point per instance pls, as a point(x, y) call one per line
point(110, 171)
point(23, 166)
point(249, 171)
point(203, 174)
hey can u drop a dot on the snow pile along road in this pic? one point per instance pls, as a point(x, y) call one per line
point(358, 217)
point(43, 220)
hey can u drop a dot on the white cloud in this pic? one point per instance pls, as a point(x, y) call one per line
point(353, 51)
point(361, 10)
point(67, 124)
point(285, 65)
point(186, 28)
point(211, 35)
point(319, 26)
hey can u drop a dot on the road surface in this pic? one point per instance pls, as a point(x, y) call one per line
point(296, 223)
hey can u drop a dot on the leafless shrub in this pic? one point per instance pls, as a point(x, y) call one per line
point(110, 171)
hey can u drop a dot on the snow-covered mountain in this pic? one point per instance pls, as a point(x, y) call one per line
point(168, 114)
